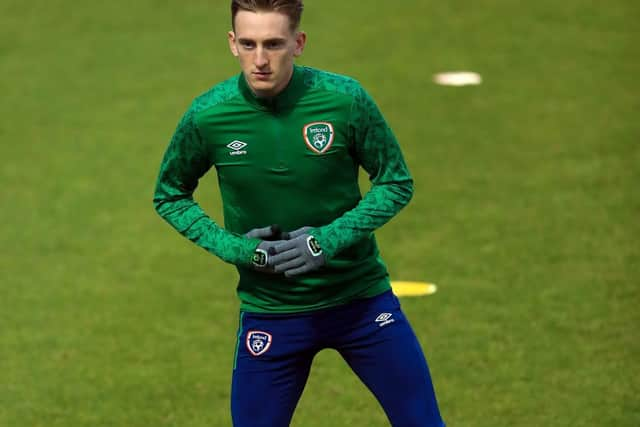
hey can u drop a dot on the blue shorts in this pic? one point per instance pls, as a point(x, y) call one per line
point(274, 355)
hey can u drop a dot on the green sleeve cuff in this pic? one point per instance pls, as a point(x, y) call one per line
point(322, 235)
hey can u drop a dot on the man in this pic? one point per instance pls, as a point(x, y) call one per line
point(287, 142)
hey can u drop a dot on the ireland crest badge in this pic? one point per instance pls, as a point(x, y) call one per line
point(258, 342)
point(318, 136)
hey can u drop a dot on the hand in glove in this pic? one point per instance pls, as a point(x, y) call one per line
point(272, 232)
point(262, 259)
point(301, 254)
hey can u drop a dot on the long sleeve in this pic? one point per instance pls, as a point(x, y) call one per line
point(377, 150)
point(185, 162)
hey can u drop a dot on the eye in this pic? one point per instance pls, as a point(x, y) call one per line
point(275, 44)
point(246, 44)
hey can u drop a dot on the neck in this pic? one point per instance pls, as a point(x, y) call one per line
point(265, 94)
point(284, 97)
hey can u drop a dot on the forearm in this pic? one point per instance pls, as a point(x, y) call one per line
point(381, 203)
point(188, 218)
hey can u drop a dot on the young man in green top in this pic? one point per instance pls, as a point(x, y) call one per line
point(287, 142)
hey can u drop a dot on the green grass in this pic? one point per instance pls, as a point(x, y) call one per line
point(526, 212)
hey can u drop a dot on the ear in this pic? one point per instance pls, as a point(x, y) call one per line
point(301, 40)
point(231, 36)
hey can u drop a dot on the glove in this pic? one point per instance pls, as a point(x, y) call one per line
point(262, 257)
point(299, 255)
point(272, 232)
point(288, 235)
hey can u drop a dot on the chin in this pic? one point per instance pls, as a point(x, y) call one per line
point(263, 87)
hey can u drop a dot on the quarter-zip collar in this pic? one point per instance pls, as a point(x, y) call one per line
point(287, 98)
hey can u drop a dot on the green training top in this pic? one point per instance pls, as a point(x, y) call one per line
point(290, 160)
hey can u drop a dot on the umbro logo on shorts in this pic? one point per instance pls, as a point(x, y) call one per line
point(384, 319)
point(258, 342)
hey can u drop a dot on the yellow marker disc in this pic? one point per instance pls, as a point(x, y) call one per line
point(413, 289)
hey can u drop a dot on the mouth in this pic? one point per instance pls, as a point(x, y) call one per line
point(262, 75)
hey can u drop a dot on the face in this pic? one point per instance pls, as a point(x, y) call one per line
point(265, 46)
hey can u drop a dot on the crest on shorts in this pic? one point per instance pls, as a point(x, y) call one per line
point(318, 136)
point(258, 342)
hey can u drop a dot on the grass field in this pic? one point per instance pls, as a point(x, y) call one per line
point(526, 212)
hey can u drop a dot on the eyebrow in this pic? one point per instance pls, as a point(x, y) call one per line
point(271, 40)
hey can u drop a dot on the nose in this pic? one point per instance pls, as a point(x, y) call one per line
point(261, 60)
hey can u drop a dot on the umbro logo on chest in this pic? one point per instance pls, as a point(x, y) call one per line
point(237, 148)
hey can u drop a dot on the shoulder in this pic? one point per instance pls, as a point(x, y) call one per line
point(332, 82)
point(219, 94)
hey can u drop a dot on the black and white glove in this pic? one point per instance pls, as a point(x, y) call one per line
point(299, 254)
point(262, 259)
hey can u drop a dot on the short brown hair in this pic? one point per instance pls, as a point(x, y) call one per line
point(291, 8)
